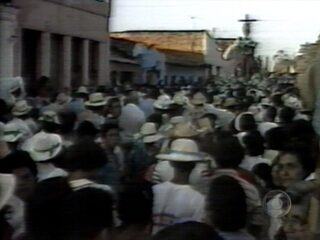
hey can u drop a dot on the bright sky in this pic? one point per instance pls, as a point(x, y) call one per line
point(285, 24)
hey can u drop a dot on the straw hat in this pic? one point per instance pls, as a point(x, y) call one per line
point(180, 99)
point(183, 150)
point(217, 100)
point(230, 102)
point(11, 133)
point(83, 89)
point(7, 187)
point(21, 108)
point(149, 133)
point(50, 116)
point(45, 147)
point(198, 99)
point(96, 100)
point(163, 102)
point(63, 98)
point(177, 120)
point(184, 130)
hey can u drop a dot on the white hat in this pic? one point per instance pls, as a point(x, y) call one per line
point(183, 150)
point(96, 100)
point(230, 102)
point(177, 120)
point(63, 98)
point(45, 147)
point(21, 107)
point(11, 132)
point(7, 187)
point(149, 133)
point(83, 89)
point(50, 116)
point(180, 99)
point(163, 102)
point(184, 130)
point(198, 99)
point(217, 100)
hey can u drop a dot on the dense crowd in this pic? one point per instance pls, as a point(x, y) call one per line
point(231, 160)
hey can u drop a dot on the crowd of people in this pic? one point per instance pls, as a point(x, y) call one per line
point(231, 160)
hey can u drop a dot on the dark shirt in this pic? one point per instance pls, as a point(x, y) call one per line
point(17, 159)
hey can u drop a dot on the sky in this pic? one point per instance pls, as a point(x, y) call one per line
point(283, 25)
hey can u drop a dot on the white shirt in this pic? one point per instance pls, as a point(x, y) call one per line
point(249, 162)
point(131, 119)
point(175, 203)
point(48, 170)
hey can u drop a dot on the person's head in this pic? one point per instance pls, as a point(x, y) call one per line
point(263, 173)
point(132, 97)
point(226, 207)
point(187, 230)
point(114, 107)
point(277, 100)
point(245, 122)
point(269, 114)
point(253, 143)
point(110, 135)
point(85, 156)
point(286, 115)
point(155, 118)
point(227, 151)
point(292, 166)
point(57, 212)
point(68, 120)
point(50, 122)
point(276, 138)
point(25, 171)
point(86, 129)
point(183, 167)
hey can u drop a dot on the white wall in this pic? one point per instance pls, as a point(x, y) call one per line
point(213, 56)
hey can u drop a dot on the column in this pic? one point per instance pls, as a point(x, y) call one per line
point(8, 24)
point(85, 62)
point(104, 64)
point(67, 62)
point(45, 54)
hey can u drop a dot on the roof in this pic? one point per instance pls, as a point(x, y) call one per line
point(161, 31)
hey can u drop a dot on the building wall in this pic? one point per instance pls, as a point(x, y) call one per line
point(64, 19)
point(124, 72)
point(69, 41)
point(214, 57)
point(184, 71)
point(172, 40)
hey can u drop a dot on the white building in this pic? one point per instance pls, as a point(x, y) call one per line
point(65, 40)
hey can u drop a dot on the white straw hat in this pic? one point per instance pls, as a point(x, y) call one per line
point(45, 147)
point(96, 100)
point(183, 150)
point(11, 133)
point(149, 133)
point(198, 99)
point(83, 89)
point(7, 187)
point(184, 130)
point(180, 99)
point(21, 108)
point(63, 98)
point(50, 116)
point(163, 102)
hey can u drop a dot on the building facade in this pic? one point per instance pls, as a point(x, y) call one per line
point(65, 40)
point(199, 43)
point(180, 66)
